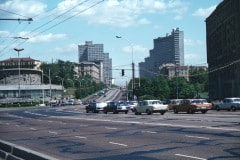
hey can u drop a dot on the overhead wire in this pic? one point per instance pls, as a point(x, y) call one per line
point(67, 11)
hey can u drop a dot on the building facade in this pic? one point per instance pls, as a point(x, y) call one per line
point(171, 70)
point(95, 53)
point(91, 68)
point(168, 49)
point(22, 78)
point(223, 50)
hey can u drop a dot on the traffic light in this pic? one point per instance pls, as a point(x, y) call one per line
point(123, 72)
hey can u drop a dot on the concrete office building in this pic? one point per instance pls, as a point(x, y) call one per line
point(223, 50)
point(95, 53)
point(168, 49)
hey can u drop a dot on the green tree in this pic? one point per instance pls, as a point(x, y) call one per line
point(198, 77)
point(159, 87)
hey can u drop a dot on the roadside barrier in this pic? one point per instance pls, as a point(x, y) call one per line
point(9, 151)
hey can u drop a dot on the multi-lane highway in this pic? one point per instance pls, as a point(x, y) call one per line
point(69, 132)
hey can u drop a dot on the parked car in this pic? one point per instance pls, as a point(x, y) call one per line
point(95, 107)
point(79, 102)
point(70, 102)
point(132, 104)
point(191, 106)
point(116, 107)
point(172, 102)
point(123, 107)
point(230, 104)
point(111, 107)
point(150, 106)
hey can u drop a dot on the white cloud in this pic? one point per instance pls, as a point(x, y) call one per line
point(178, 17)
point(191, 42)
point(26, 8)
point(194, 59)
point(123, 13)
point(4, 34)
point(137, 50)
point(46, 38)
point(70, 48)
point(67, 52)
point(144, 21)
point(204, 12)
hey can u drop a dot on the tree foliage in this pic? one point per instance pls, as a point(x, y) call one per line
point(63, 72)
point(178, 87)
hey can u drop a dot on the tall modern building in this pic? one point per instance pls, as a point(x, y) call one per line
point(223, 50)
point(168, 49)
point(95, 53)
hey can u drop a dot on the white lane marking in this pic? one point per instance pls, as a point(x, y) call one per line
point(50, 121)
point(17, 125)
point(83, 125)
point(148, 132)
point(182, 155)
point(81, 137)
point(33, 129)
point(197, 137)
point(37, 114)
point(120, 144)
point(52, 132)
point(110, 128)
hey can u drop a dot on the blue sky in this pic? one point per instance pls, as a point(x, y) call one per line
point(59, 26)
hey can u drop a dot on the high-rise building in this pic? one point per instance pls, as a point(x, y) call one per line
point(168, 49)
point(95, 53)
point(223, 50)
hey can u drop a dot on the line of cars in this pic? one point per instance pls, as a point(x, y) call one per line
point(195, 105)
point(64, 102)
point(149, 107)
point(146, 106)
point(112, 106)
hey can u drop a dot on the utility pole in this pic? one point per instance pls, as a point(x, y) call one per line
point(133, 69)
point(19, 50)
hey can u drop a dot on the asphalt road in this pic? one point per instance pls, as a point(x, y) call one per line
point(71, 133)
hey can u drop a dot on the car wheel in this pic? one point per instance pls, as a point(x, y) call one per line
point(217, 108)
point(136, 113)
point(233, 108)
point(190, 111)
point(175, 111)
point(148, 112)
point(105, 111)
point(126, 112)
point(87, 110)
point(203, 112)
point(162, 113)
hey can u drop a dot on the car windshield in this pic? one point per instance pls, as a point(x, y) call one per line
point(154, 102)
point(204, 101)
point(196, 102)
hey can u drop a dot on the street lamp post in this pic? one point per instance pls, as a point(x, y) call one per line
point(19, 50)
point(133, 67)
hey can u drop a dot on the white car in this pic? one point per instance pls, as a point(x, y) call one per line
point(150, 106)
point(230, 104)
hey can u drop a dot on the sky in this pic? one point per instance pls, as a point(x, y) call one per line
point(59, 26)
